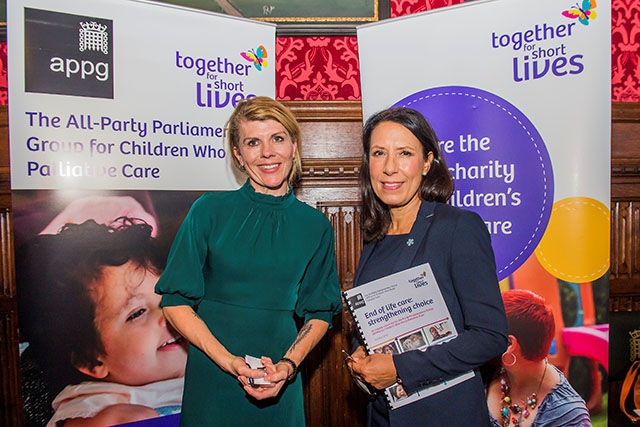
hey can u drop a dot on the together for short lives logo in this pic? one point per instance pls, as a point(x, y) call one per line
point(583, 13)
point(221, 80)
point(257, 57)
point(420, 280)
point(543, 50)
point(68, 54)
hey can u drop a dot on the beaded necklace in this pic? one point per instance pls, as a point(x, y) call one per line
point(508, 407)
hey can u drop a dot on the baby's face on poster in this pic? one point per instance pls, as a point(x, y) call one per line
point(140, 347)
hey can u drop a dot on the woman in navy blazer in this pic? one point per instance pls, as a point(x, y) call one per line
point(405, 185)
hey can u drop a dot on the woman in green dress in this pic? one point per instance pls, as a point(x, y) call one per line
point(243, 266)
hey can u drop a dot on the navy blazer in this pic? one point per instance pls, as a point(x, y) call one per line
point(457, 245)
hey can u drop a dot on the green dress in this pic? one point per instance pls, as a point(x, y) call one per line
point(247, 262)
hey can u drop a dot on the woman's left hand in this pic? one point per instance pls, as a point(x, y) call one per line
point(376, 369)
point(276, 375)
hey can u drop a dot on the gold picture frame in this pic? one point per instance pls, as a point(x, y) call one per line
point(299, 18)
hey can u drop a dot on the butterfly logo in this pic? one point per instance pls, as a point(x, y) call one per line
point(256, 56)
point(582, 14)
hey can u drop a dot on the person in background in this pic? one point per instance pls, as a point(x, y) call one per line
point(405, 185)
point(98, 331)
point(243, 266)
point(527, 390)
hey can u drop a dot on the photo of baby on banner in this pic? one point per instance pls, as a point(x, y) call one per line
point(95, 347)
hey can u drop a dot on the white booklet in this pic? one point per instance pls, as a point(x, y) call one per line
point(402, 312)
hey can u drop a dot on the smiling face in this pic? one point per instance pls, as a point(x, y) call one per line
point(140, 347)
point(400, 392)
point(266, 153)
point(396, 165)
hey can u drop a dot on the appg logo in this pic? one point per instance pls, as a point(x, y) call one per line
point(68, 54)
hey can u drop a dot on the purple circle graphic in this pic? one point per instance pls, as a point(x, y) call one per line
point(500, 165)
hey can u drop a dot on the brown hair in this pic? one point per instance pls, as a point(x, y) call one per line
point(436, 186)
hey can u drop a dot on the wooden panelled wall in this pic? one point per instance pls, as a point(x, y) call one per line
point(331, 160)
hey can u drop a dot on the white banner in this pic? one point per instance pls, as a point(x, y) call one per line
point(128, 94)
point(519, 97)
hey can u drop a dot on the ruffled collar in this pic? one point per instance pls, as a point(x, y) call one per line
point(267, 199)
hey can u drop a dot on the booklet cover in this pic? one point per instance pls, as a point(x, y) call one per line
point(402, 312)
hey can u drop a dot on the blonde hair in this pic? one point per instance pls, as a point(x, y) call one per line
point(264, 108)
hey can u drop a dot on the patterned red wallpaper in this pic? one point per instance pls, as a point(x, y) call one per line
point(326, 68)
point(4, 93)
point(317, 68)
point(625, 50)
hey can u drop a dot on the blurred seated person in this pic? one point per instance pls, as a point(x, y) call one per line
point(527, 390)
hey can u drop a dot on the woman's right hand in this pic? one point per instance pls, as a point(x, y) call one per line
point(276, 375)
point(360, 353)
point(376, 369)
point(243, 372)
point(238, 368)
